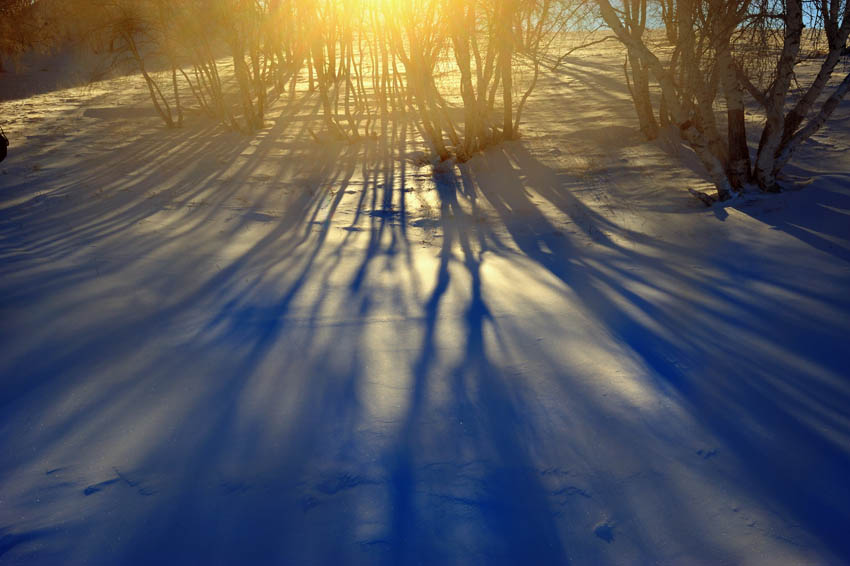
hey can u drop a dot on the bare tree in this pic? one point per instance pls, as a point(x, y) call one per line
point(708, 39)
point(23, 27)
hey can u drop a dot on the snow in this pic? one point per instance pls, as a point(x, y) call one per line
point(226, 349)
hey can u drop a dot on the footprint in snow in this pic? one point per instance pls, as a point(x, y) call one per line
point(605, 531)
point(119, 478)
point(96, 487)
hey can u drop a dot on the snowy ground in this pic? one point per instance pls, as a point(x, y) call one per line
point(220, 349)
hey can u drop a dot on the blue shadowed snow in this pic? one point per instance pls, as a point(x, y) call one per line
point(223, 350)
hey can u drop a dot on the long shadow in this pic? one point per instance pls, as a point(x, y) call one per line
point(817, 219)
point(102, 225)
point(511, 513)
point(238, 322)
point(210, 378)
point(748, 397)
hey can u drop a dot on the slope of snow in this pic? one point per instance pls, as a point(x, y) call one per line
point(219, 349)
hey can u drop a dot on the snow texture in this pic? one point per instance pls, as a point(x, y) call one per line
point(220, 349)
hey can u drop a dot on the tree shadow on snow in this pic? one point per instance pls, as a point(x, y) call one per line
point(239, 351)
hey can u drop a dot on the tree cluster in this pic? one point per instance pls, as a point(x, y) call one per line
point(719, 52)
point(466, 68)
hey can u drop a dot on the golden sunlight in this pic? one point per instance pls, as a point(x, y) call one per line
point(424, 282)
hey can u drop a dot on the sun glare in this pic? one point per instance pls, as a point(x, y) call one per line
point(424, 282)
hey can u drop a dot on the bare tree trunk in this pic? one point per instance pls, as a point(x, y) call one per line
point(525, 96)
point(163, 109)
point(814, 124)
point(715, 168)
point(837, 33)
point(505, 59)
point(176, 90)
point(639, 88)
point(739, 153)
point(771, 138)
